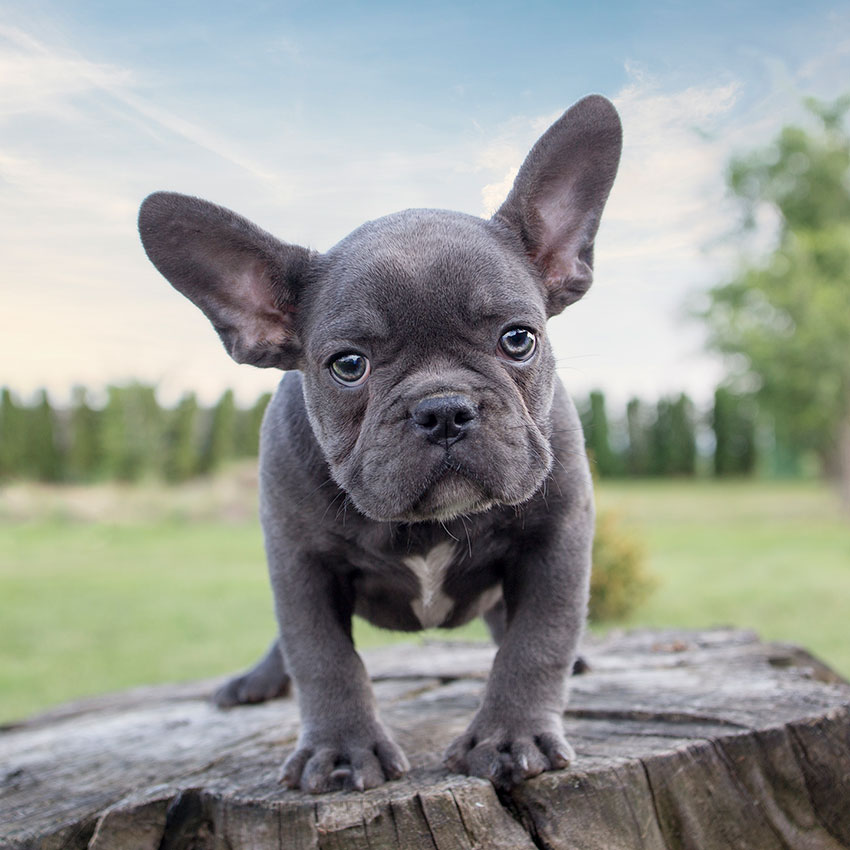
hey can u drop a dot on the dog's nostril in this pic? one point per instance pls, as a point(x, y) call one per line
point(444, 418)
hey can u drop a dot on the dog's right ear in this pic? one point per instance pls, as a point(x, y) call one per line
point(246, 282)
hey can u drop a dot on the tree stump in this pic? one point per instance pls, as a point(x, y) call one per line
point(684, 740)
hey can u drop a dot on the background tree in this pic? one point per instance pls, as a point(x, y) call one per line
point(596, 435)
point(661, 438)
point(221, 435)
point(180, 442)
point(786, 318)
point(12, 435)
point(733, 423)
point(85, 439)
point(248, 427)
point(43, 457)
point(132, 431)
point(638, 425)
point(683, 444)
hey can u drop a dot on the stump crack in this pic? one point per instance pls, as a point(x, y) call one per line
point(806, 765)
point(391, 808)
point(652, 796)
point(81, 836)
point(187, 822)
point(426, 821)
point(744, 791)
point(463, 822)
point(638, 715)
point(630, 806)
point(523, 816)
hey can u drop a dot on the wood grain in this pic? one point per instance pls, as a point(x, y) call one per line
point(684, 739)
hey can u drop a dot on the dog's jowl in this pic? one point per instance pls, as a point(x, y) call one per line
point(421, 464)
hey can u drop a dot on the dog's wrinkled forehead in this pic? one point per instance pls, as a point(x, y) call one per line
point(418, 271)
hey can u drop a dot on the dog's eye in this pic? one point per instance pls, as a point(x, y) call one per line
point(350, 369)
point(518, 343)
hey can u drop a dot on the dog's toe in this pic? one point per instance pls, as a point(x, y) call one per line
point(351, 768)
point(508, 756)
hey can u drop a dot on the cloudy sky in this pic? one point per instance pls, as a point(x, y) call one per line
point(310, 117)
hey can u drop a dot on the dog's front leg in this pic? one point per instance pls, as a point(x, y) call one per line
point(518, 730)
point(342, 743)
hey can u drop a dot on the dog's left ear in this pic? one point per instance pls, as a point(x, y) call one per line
point(559, 194)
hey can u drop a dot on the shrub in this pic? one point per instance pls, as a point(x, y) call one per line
point(619, 581)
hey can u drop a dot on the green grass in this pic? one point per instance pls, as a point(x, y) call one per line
point(86, 608)
point(89, 605)
point(774, 557)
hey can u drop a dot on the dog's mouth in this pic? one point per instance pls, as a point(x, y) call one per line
point(451, 493)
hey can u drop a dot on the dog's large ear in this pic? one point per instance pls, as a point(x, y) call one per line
point(245, 281)
point(559, 193)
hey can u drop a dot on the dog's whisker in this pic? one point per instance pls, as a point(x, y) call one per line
point(456, 540)
point(331, 503)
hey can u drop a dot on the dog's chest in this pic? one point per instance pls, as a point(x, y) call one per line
point(433, 605)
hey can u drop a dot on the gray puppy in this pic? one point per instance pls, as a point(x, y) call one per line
point(422, 464)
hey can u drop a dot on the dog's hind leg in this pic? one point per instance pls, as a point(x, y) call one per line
point(266, 680)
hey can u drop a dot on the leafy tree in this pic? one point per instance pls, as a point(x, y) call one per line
point(661, 438)
point(132, 431)
point(733, 423)
point(181, 455)
point(43, 456)
point(248, 427)
point(221, 436)
point(785, 320)
point(12, 434)
point(85, 439)
point(683, 444)
point(638, 425)
point(595, 424)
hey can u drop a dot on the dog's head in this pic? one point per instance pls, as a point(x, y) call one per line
point(428, 376)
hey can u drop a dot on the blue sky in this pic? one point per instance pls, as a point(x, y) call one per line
point(311, 117)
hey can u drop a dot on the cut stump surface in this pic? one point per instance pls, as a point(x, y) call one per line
point(685, 740)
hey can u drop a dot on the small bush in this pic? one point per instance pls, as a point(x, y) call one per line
point(619, 581)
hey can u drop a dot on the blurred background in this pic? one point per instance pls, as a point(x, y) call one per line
point(710, 361)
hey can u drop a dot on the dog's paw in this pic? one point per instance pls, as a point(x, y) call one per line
point(256, 685)
point(508, 753)
point(354, 766)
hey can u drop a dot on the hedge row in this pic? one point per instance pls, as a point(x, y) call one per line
point(130, 435)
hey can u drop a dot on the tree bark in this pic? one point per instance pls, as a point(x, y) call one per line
point(685, 740)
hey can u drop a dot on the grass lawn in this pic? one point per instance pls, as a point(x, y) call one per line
point(772, 556)
point(105, 588)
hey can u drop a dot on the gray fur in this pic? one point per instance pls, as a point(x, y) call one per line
point(450, 483)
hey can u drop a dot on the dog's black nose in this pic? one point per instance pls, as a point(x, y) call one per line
point(445, 419)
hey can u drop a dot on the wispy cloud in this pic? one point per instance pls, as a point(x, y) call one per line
point(37, 77)
point(669, 190)
point(670, 185)
point(34, 77)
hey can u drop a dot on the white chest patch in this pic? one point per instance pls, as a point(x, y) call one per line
point(433, 605)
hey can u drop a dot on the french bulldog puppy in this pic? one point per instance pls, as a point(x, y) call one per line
point(421, 464)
